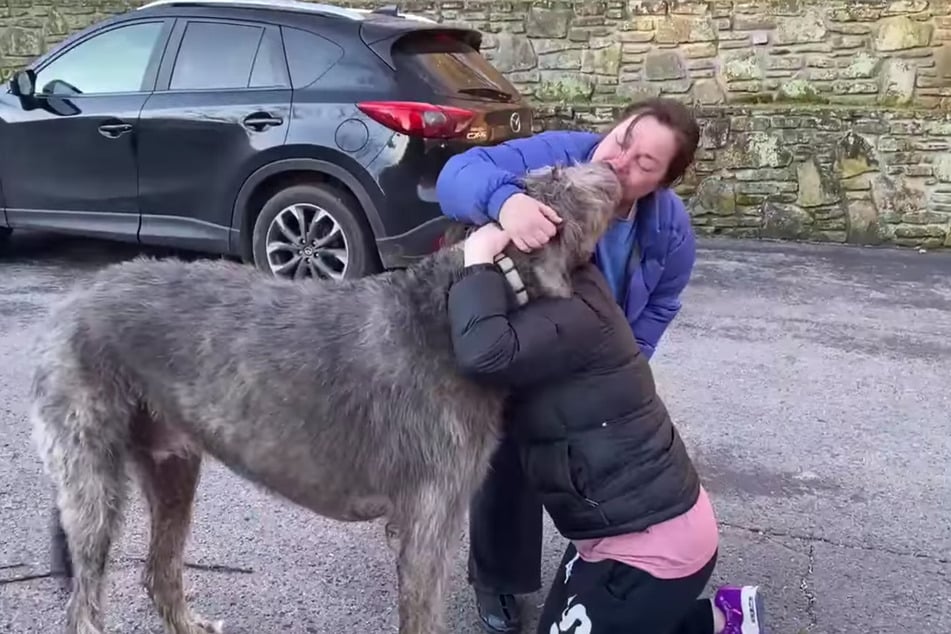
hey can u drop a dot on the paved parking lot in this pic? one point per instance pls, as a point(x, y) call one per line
point(810, 383)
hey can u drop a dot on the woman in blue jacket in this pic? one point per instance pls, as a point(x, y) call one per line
point(646, 257)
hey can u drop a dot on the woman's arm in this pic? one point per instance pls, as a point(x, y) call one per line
point(473, 185)
point(494, 342)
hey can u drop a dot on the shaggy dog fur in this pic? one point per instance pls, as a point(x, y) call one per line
point(342, 397)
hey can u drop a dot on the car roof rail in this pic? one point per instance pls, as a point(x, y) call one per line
point(280, 5)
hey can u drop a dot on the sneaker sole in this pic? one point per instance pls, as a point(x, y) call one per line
point(751, 599)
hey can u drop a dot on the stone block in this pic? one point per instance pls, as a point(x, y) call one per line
point(715, 196)
point(551, 23)
point(514, 53)
point(637, 90)
point(942, 57)
point(17, 41)
point(57, 24)
point(647, 7)
point(699, 50)
point(708, 92)
point(901, 33)
point(942, 167)
point(861, 66)
point(562, 60)
point(898, 83)
point(680, 29)
point(799, 89)
point(602, 61)
point(785, 221)
point(755, 149)
point(742, 66)
point(755, 22)
point(568, 88)
point(925, 218)
point(817, 187)
point(676, 87)
point(714, 133)
point(899, 7)
point(856, 87)
point(893, 198)
point(662, 65)
point(804, 29)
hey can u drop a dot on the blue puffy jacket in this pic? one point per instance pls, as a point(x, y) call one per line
point(473, 185)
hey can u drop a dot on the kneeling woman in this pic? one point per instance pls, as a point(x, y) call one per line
point(599, 447)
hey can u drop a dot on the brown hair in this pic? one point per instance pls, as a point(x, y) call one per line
point(676, 116)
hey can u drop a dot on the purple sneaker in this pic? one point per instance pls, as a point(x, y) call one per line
point(743, 608)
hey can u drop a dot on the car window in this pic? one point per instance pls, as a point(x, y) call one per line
point(216, 55)
point(308, 55)
point(270, 69)
point(114, 61)
point(450, 67)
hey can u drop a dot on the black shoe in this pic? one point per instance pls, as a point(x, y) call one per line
point(498, 612)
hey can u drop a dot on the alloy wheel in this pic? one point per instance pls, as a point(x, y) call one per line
point(305, 241)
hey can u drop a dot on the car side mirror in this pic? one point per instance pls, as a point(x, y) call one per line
point(23, 83)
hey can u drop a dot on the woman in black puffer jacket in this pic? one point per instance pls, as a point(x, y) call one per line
point(599, 447)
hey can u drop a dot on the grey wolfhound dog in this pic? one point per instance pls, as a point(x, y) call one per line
point(340, 396)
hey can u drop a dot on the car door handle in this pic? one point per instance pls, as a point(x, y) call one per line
point(259, 121)
point(113, 130)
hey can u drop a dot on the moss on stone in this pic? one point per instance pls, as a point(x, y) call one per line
point(566, 90)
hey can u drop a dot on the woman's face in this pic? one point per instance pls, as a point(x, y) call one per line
point(640, 153)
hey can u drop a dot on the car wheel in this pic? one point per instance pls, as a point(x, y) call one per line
point(312, 231)
point(5, 236)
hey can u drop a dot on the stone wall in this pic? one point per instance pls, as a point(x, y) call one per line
point(815, 173)
point(823, 119)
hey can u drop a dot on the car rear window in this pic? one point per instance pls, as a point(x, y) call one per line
point(450, 67)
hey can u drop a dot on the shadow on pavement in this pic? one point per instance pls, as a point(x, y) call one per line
point(41, 248)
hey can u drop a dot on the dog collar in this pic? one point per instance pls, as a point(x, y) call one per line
point(507, 266)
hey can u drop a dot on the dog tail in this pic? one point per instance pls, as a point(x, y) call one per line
point(61, 560)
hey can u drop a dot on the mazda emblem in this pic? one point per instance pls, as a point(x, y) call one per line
point(516, 122)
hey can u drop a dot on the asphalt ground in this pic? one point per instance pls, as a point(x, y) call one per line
point(811, 384)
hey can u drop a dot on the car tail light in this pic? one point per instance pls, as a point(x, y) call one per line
point(419, 119)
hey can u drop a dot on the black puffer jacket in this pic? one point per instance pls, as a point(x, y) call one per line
point(596, 441)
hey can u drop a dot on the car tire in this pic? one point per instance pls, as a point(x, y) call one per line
point(5, 237)
point(337, 212)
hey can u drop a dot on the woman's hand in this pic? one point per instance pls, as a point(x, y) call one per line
point(530, 223)
point(485, 243)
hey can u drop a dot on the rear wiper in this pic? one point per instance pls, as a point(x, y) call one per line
point(487, 92)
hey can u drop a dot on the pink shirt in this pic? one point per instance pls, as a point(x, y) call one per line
point(673, 549)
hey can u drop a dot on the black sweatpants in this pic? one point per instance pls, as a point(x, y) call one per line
point(505, 528)
point(609, 597)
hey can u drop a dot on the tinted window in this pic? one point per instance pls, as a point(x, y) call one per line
point(270, 69)
point(308, 56)
point(216, 56)
point(114, 61)
point(449, 66)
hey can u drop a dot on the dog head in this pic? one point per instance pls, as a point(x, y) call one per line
point(585, 196)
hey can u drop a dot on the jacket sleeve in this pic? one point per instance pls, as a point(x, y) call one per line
point(664, 303)
point(473, 185)
point(493, 343)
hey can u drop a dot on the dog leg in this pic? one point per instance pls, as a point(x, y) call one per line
point(90, 501)
point(169, 485)
point(61, 562)
point(426, 541)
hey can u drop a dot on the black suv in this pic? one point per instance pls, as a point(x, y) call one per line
point(304, 138)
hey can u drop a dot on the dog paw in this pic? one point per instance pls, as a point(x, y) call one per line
point(210, 627)
point(200, 625)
